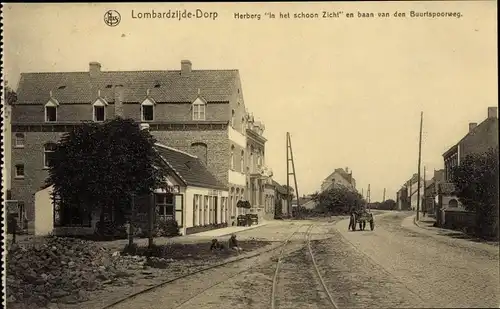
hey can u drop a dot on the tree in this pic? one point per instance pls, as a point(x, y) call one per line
point(101, 167)
point(10, 94)
point(338, 200)
point(387, 205)
point(476, 185)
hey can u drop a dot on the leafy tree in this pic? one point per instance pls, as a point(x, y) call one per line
point(338, 200)
point(387, 205)
point(476, 185)
point(102, 166)
point(10, 94)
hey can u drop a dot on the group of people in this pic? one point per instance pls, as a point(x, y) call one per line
point(232, 244)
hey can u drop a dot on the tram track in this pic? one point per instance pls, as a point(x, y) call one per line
point(129, 298)
point(307, 239)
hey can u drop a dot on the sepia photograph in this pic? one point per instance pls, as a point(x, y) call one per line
point(250, 155)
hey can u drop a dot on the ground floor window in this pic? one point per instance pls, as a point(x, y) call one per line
point(164, 205)
point(197, 205)
point(205, 210)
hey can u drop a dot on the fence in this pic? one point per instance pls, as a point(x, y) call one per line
point(459, 220)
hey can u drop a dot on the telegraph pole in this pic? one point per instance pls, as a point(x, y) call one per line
point(419, 162)
point(424, 200)
point(289, 201)
point(383, 200)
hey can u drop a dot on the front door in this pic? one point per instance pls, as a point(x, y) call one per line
point(216, 215)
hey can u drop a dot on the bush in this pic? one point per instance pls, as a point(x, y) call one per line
point(168, 228)
point(110, 230)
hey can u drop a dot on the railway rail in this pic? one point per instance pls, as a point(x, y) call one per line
point(314, 264)
point(205, 269)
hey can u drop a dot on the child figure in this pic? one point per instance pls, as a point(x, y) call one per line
point(233, 244)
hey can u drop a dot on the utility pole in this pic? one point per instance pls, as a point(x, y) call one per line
point(289, 206)
point(368, 193)
point(289, 147)
point(424, 199)
point(362, 193)
point(383, 199)
point(419, 162)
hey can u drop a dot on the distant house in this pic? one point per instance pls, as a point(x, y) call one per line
point(281, 198)
point(339, 178)
point(479, 139)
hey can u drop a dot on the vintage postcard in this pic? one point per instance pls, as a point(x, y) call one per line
point(250, 155)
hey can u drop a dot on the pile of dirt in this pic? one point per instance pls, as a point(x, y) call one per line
point(62, 270)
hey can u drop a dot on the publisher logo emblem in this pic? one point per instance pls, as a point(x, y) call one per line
point(112, 18)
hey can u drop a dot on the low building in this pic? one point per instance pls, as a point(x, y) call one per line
point(191, 195)
point(339, 178)
point(282, 201)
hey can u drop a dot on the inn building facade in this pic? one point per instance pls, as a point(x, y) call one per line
point(201, 112)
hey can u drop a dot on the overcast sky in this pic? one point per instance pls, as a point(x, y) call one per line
point(350, 91)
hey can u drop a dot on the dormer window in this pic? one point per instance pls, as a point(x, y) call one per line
point(99, 111)
point(51, 111)
point(199, 109)
point(147, 110)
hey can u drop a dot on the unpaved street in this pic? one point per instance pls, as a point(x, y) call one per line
point(396, 265)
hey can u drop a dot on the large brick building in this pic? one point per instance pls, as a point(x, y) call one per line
point(201, 112)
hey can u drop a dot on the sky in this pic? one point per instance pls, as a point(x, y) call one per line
point(349, 90)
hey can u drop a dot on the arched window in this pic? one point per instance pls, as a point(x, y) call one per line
point(147, 110)
point(232, 118)
point(232, 157)
point(48, 154)
point(453, 203)
point(242, 161)
point(200, 150)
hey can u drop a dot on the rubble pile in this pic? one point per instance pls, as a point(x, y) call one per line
point(63, 270)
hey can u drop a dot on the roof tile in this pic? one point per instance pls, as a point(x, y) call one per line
point(80, 87)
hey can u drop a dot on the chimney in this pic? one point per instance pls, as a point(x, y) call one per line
point(472, 126)
point(94, 69)
point(119, 91)
point(185, 67)
point(492, 112)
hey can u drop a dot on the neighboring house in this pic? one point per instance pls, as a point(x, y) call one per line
point(281, 197)
point(339, 178)
point(191, 195)
point(201, 112)
point(269, 199)
point(479, 139)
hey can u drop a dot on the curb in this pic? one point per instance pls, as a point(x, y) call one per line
point(415, 221)
point(249, 228)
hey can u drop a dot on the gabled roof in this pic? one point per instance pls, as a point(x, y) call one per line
point(485, 122)
point(279, 188)
point(188, 168)
point(343, 174)
point(80, 87)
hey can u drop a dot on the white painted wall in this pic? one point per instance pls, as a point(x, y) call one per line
point(237, 137)
point(237, 178)
point(189, 203)
point(44, 212)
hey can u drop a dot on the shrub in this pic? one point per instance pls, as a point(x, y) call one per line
point(168, 228)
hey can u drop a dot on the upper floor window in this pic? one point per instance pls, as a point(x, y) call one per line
point(259, 161)
point(19, 171)
point(19, 141)
point(198, 111)
point(99, 111)
point(51, 111)
point(232, 157)
point(243, 124)
point(232, 118)
point(147, 110)
point(242, 161)
point(48, 154)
